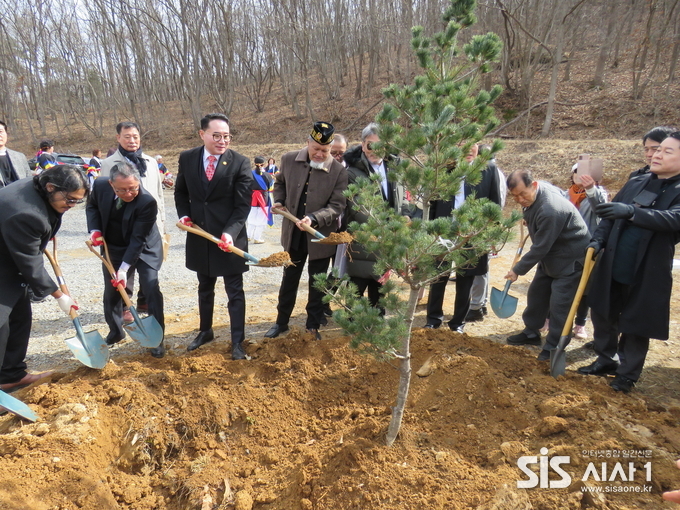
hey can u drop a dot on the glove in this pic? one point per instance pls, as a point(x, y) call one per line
point(186, 221)
point(66, 303)
point(597, 245)
point(120, 279)
point(614, 211)
point(96, 238)
point(225, 242)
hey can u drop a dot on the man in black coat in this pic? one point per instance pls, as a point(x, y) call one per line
point(213, 190)
point(489, 188)
point(122, 212)
point(31, 215)
point(632, 281)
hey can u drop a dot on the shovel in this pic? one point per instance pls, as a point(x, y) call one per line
point(147, 331)
point(505, 306)
point(88, 348)
point(16, 406)
point(251, 260)
point(319, 237)
point(558, 358)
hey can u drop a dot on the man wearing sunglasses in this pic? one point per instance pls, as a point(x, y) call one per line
point(213, 191)
point(123, 213)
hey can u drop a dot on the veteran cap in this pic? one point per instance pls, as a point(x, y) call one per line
point(259, 160)
point(322, 133)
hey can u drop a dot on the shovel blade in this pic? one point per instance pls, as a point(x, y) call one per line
point(16, 406)
point(558, 358)
point(503, 304)
point(146, 331)
point(88, 348)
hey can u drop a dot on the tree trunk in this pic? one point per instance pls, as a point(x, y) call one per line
point(404, 372)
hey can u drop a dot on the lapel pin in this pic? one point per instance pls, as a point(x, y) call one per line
point(224, 163)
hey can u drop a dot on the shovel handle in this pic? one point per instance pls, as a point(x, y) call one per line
point(588, 264)
point(52, 257)
point(292, 218)
point(520, 248)
point(233, 249)
point(107, 262)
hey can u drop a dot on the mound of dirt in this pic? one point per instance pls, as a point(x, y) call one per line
point(302, 427)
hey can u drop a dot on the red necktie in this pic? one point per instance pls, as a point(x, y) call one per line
point(210, 171)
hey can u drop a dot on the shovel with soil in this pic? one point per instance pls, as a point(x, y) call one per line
point(558, 357)
point(279, 259)
point(146, 331)
point(88, 348)
point(502, 304)
point(333, 238)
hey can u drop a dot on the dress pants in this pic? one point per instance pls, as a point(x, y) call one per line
point(548, 295)
point(479, 293)
point(113, 302)
point(14, 335)
point(370, 284)
point(236, 305)
point(461, 306)
point(290, 284)
point(632, 349)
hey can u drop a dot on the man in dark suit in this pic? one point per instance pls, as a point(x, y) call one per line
point(13, 164)
point(122, 212)
point(632, 282)
point(213, 190)
point(489, 188)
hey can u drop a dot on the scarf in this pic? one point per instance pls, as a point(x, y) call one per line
point(135, 158)
point(576, 195)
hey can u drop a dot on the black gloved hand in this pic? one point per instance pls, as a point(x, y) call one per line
point(614, 211)
point(597, 245)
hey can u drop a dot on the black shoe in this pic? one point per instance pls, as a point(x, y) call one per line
point(113, 339)
point(458, 328)
point(622, 383)
point(143, 308)
point(237, 352)
point(599, 368)
point(589, 345)
point(474, 315)
point(431, 326)
point(315, 332)
point(544, 355)
point(159, 351)
point(327, 310)
point(523, 339)
point(276, 330)
point(484, 310)
point(203, 337)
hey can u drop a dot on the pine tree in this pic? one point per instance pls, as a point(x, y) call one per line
point(432, 125)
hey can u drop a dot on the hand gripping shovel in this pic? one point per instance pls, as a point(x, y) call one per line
point(502, 304)
point(319, 237)
point(146, 331)
point(558, 358)
point(250, 259)
point(88, 348)
point(16, 406)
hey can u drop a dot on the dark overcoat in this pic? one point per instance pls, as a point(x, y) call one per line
point(218, 206)
point(648, 309)
point(139, 224)
point(27, 223)
point(325, 199)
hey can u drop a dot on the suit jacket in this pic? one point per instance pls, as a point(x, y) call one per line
point(647, 311)
point(219, 206)
point(27, 223)
point(325, 199)
point(138, 226)
point(152, 181)
point(19, 166)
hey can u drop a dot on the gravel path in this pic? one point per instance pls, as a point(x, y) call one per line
point(84, 278)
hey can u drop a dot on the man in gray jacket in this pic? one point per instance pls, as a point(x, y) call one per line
point(13, 164)
point(559, 240)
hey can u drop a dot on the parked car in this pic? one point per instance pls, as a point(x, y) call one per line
point(61, 157)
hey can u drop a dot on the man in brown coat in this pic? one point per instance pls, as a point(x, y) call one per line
point(310, 186)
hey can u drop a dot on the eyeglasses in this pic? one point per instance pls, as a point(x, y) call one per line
point(126, 191)
point(217, 137)
point(369, 145)
point(74, 201)
point(337, 153)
